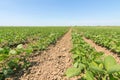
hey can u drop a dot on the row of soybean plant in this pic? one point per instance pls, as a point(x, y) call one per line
point(90, 64)
point(13, 59)
point(108, 37)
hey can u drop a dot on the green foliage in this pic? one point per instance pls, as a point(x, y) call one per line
point(26, 64)
point(3, 57)
point(17, 44)
point(108, 37)
point(93, 65)
point(73, 72)
point(114, 68)
point(4, 50)
point(7, 72)
point(88, 76)
point(109, 61)
point(13, 64)
point(20, 46)
point(12, 52)
point(1, 50)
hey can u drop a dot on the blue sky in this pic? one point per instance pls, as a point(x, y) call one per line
point(59, 12)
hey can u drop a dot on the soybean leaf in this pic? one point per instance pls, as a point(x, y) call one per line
point(88, 75)
point(109, 61)
point(72, 72)
point(114, 68)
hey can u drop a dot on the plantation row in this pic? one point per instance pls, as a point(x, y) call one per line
point(17, 44)
point(108, 37)
point(90, 64)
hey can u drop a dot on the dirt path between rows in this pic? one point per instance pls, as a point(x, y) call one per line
point(102, 49)
point(52, 63)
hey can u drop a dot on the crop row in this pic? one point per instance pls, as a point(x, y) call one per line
point(107, 37)
point(15, 58)
point(90, 64)
point(12, 36)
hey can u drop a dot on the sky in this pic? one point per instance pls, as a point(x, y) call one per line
point(59, 12)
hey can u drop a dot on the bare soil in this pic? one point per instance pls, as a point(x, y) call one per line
point(102, 49)
point(52, 63)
